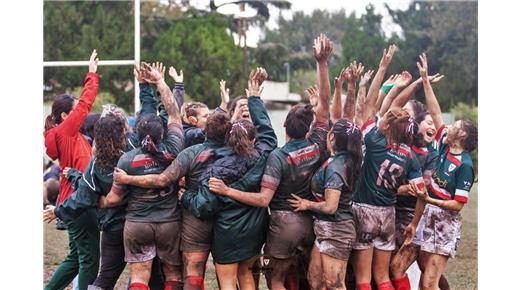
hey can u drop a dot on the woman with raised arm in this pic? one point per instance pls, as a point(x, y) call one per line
point(448, 190)
point(153, 218)
point(388, 164)
point(63, 141)
point(332, 187)
point(239, 230)
point(289, 170)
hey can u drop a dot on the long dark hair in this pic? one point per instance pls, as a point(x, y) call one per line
point(62, 104)
point(110, 138)
point(217, 127)
point(150, 130)
point(348, 139)
point(240, 137)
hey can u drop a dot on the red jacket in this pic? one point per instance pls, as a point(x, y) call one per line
point(66, 143)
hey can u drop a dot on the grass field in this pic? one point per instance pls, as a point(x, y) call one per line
point(461, 271)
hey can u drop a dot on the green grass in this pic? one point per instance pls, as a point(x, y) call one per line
point(461, 271)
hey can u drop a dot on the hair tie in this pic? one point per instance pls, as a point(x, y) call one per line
point(148, 143)
point(411, 126)
point(238, 124)
point(351, 128)
point(111, 109)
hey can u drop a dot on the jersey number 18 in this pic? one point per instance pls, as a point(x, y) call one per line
point(395, 170)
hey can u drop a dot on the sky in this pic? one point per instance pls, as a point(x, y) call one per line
point(358, 6)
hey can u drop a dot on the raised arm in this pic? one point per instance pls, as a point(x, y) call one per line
point(155, 75)
point(361, 97)
point(385, 89)
point(266, 140)
point(73, 123)
point(146, 93)
point(406, 94)
point(335, 106)
point(350, 103)
point(322, 50)
point(401, 82)
point(178, 88)
point(224, 96)
point(370, 109)
point(431, 100)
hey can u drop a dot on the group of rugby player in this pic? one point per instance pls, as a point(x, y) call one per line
point(375, 176)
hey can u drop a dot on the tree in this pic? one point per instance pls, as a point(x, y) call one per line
point(73, 29)
point(202, 48)
point(447, 32)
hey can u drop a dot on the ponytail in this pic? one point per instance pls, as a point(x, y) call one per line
point(62, 104)
point(347, 137)
point(240, 138)
point(49, 123)
point(150, 130)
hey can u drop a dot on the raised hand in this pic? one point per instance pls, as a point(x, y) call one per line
point(138, 74)
point(387, 56)
point(391, 80)
point(224, 92)
point(259, 74)
point(423, 66)
point(178, 78)
point(93, 62)
point(312, 93)
point(357, 70)
point(365, 78)
point(346, 74)
point(153, 74)
point(403, 79)
point(253, 88)
point(435, 78)
point(322, 48)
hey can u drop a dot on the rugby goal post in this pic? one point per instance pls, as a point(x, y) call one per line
point(136, 60)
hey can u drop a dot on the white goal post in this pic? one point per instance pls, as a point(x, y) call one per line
point(136, 60)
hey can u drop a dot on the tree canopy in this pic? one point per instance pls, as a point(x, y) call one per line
point(200, 43)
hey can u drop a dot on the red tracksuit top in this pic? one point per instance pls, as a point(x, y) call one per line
point(65, 142)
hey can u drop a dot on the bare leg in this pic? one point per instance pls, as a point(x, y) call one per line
point(280, 269)
point(227, 275)
point(362, 264)
point(194, 269)
point(195, 263)
point(403, 259)
point(433, 268)
point(334, 271)
point(315, 275)
point(140, 272)
point(380, 265)
point(245, 274)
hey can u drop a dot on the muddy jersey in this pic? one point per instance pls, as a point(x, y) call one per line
point(333, 175)
point(453, 175)
point(290, 168)
point(385, 168)
point(427, 156)
point(151, 204)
